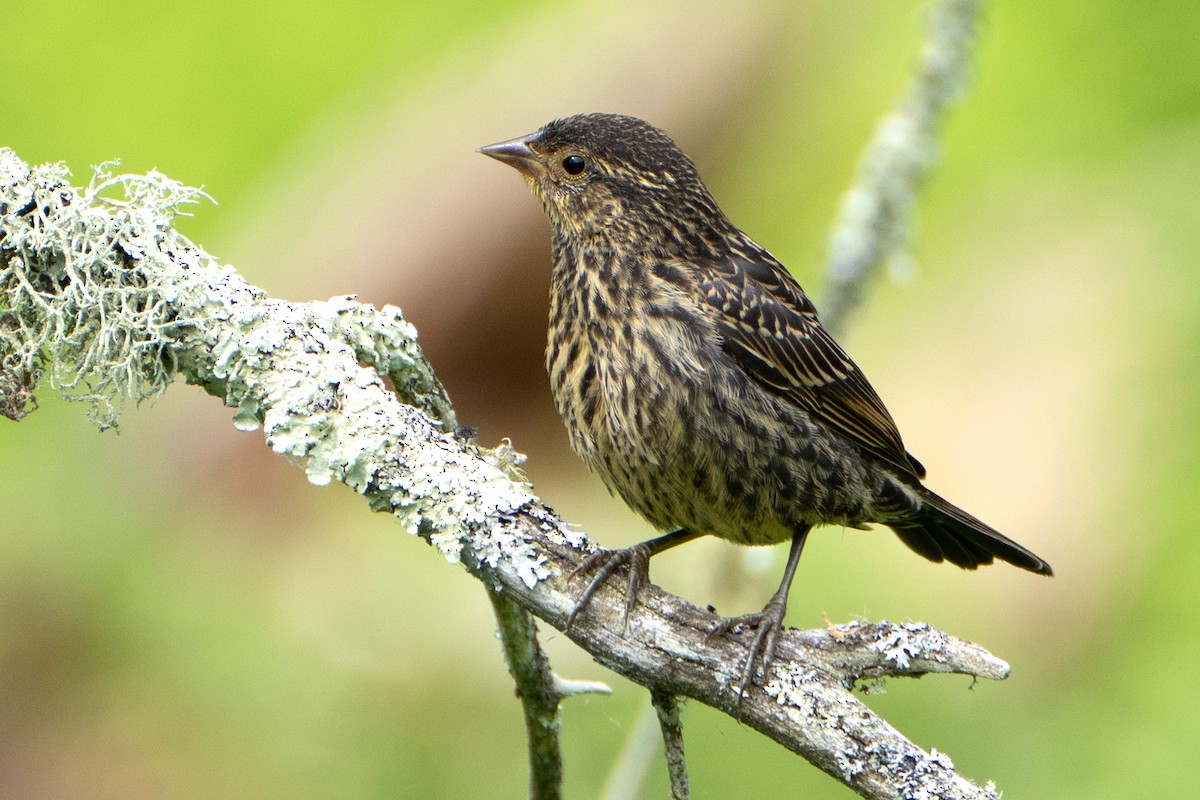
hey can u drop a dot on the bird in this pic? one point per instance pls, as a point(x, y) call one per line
point(693, 375)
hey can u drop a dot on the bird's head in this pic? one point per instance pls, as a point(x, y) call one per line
point(607, 175)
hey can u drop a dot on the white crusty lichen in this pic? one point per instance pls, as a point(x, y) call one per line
point(901, 644)
point(793, 685)
point(862, 746)
point(817, 695)
point(916, 775)
point(831, 715)
point(297, 367)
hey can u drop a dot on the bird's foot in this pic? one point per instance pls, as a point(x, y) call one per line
point(767, 625)
point(604, 563)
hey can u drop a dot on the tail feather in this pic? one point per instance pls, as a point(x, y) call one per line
point(941, 531)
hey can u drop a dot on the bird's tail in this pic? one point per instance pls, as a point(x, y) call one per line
point(941, 531)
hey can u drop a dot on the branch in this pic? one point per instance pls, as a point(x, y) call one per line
point(530, 668)
point(105, 298)
point(876, 214)
point(666, 707)
point(540, 691)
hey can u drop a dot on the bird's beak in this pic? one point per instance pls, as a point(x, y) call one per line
point(515, 153)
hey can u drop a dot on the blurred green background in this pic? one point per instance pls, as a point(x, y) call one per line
point(182, 615)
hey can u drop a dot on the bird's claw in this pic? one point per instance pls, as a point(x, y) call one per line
point(604, 563)
point(767, 625)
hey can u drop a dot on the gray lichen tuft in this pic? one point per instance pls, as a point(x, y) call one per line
point(78, 300)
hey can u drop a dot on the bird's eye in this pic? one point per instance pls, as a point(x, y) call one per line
point(574, 165)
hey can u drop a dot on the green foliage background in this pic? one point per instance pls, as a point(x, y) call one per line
point(181, 616)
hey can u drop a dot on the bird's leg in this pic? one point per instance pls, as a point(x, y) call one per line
point(605, 562)
point(769, 621)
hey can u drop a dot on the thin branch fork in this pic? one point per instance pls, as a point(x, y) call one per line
point(312, 376)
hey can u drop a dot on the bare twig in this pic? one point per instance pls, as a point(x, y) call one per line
point(539, 690)
point(309, 374)
point(666, 706)
point(530, 669)
point(875, 219)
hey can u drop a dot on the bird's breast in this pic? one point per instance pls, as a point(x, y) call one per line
point(632, 370)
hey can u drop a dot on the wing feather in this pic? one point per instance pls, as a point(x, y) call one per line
point(771, 329)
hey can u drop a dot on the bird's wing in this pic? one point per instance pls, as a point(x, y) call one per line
point(771, 329)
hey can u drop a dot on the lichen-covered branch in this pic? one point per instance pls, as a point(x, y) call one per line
point(101, 296)
point(875, 219)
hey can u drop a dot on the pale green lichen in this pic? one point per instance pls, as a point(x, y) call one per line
point(793, 687)
point(384, 340)
point(508, 541)
point(246, 418)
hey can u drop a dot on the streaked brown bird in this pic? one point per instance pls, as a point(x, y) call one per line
point(694, 376)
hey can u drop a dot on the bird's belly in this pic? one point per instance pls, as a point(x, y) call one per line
point(698, 446)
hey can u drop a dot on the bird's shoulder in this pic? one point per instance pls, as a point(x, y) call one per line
point(770, 328)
